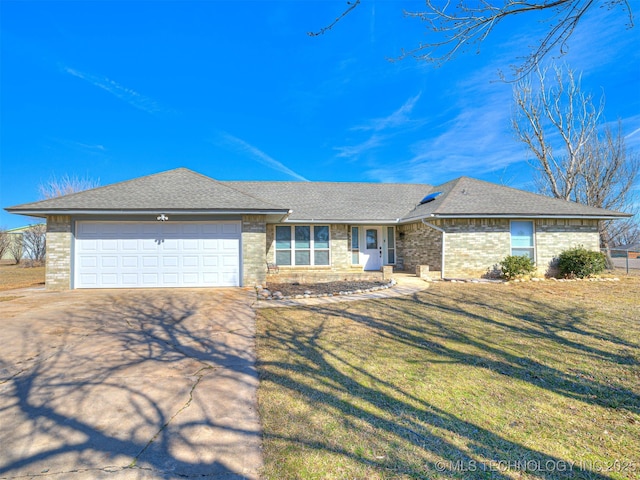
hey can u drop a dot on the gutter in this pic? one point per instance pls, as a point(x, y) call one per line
point(431, 225)
point(43, 213)
point(533, 216)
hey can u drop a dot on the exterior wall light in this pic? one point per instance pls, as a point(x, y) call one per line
point(162, 218)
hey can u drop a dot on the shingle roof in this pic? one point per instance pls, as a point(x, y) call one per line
point(466, 196)
point(184, 190)
point(179, 189)
point(341, 202)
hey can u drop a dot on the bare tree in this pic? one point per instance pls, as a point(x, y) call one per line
point(555, 112)
point(16, 247)
point(58, 186)
point(469, 22)
point(592, 165)
point(5, 240)
point(34, 239)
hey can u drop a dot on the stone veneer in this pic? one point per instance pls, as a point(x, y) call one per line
point(58, 262)
point(254, 259)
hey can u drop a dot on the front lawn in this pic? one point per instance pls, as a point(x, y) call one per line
point(20, 276)
point(529, 380)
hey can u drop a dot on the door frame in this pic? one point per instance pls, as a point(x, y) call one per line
point(372, 261)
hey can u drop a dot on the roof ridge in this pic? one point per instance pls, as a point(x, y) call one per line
point(446, 198)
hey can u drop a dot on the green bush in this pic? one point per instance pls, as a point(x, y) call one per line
point(580, 262)
point(516, 265)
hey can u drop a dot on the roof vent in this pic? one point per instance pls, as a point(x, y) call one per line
point(429, 198)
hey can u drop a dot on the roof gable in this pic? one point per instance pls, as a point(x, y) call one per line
point(179, 189)
point(468, 197)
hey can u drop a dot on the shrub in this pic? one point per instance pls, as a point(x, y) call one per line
point(580, 262)
point(515, 265)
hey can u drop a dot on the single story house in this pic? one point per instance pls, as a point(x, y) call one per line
point(183, 229)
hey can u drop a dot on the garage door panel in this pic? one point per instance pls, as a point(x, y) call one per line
point(129, 261)
point(134, 254)
point(129, 279)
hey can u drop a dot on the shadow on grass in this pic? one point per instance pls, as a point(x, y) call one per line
point(302, 361)
point(84, 398)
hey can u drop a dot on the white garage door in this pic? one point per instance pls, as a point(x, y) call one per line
point(157, 254)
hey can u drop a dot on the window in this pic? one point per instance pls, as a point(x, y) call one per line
point(302, 245)
point(391, 245)
point(522, 239)
point(355, 245)
point(372, 238)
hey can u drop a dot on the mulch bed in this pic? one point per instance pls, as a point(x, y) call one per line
point(292, 289)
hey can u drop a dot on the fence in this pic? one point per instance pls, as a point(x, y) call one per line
point(627, 259)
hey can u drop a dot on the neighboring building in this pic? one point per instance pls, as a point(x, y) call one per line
point(183, 229)
point(629, 251)
point(16, 237)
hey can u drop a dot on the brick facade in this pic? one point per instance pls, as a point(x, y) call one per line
point(475, 247)
point(58, 263)
point(472, 248)
point(418, 244)
point(555, 235)
point(254, 258)
point(339, 268)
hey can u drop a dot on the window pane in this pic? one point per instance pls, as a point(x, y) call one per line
point(355, 258)
point(355, 241)
point(321, 257)
point(390, 238)
point(372, 239)
point(303, 237)
point(522, 234)
point(283, 237)
point(321, 237)
point(303, 257)
point(283, 257)
point(392, 256)
point(524, 252)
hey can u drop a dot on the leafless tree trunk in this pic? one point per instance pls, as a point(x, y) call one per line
point(58, 186)
point(591, 164)
point(35, 242)
point(5, 239)
point(16, 247)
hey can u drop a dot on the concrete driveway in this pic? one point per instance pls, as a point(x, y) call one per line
point(139, 384)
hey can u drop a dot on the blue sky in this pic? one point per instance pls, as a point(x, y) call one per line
point(237, 90)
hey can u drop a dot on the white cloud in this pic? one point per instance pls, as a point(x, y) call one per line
point(259, 155)
point(393, 122)
point(125, 94)
point(397, 119)
point(354, 151)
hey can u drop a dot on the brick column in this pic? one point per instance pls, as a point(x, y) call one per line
point(254, 250)
point(58, 263)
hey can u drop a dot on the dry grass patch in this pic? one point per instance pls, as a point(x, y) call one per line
point(535, 380)
point(18, 276)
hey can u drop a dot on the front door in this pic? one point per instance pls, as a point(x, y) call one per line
point(372, 251)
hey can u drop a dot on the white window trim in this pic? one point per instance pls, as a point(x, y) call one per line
point(353, 251)
point(311, 248)
point(386, 246)
point(533, 233)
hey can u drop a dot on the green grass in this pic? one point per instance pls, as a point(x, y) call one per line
point(459, 381)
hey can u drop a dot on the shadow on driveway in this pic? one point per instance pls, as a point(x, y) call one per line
point(129, 384)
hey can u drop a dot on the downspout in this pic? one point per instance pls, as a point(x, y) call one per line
point(443, 245)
